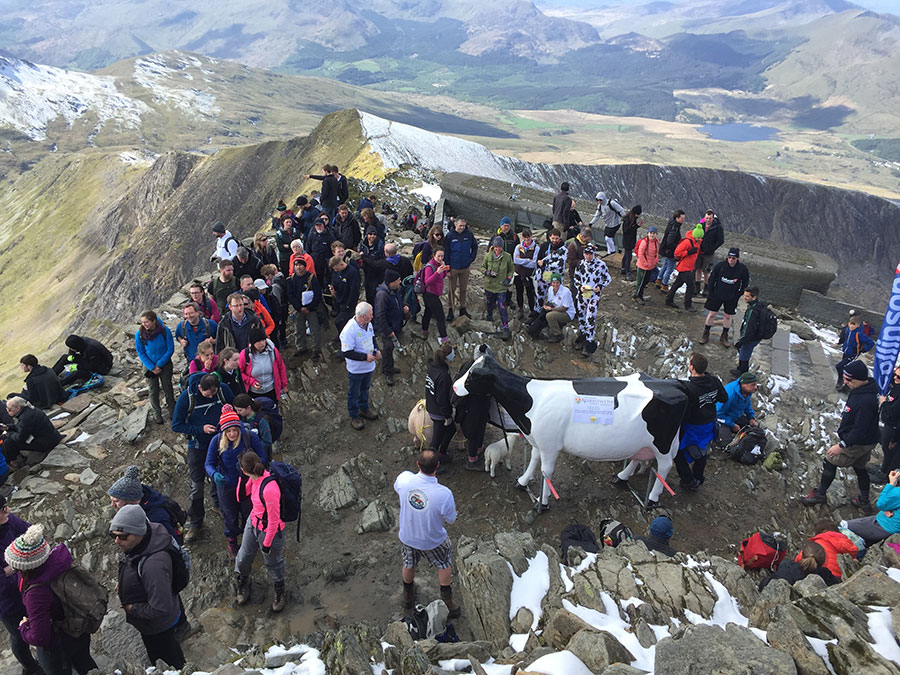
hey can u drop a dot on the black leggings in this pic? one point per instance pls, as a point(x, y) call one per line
point(443, 434)
point(524, 286)
point(164, 646)
point(434, 308)
point(891, 455)
point(829, 471)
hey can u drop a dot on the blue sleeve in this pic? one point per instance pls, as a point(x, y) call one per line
point(179, 329)
point(180, 423)
point(213, 328)
point(889, 500)
point(212, 456)
point(265, 432)
point(170, 348)
point(142, 352)
point(226, 393)
point(473, 244)
point(866, 343)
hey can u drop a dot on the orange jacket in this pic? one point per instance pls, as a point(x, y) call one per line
point(310, 265)
point(265, 317)
point(686, 259)
point(833, 543)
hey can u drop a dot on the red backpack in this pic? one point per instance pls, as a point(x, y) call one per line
point(761, 551)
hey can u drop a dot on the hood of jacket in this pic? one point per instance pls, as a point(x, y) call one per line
point(60, 560)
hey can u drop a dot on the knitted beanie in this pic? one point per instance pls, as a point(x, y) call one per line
point(28, 551)
point(661, 527)
point(698, 232)
point(128, 488)
point(130, 519)
point(228, 418)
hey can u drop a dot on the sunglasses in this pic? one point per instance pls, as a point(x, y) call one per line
point(733, 256)
point(119, 536)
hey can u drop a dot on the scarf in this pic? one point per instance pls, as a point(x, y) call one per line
point(148, 335)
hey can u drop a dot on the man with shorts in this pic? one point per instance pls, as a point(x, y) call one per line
point(425, 506)
point(727, 282)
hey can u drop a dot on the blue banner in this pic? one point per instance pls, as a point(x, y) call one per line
point(888, 345)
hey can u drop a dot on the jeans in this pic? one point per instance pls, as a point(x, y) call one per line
point(162, 381)
point(66, 653)
point(668, 267)
point(19, 647)
point(499, 299)
point(164, 646)
point(433, 308)
point(358, 392)
point(746, 350)
point(251, 543)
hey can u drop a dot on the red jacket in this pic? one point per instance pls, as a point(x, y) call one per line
point(279, 372)
point(647, 253)
point(833, 543)
point(686, 259)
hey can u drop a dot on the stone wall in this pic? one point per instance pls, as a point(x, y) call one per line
point(827, 310)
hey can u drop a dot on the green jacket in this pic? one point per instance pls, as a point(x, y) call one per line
point(498, 271)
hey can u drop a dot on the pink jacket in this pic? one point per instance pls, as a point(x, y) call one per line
point(196, 365)
point(279, 372)
point(272, 494)
point(647, 253)
point(434, 281)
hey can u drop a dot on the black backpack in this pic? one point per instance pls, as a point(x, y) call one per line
point(748, 446)
point(290, 483)
point(768, 322)
point(271, 413)
point(578, 535)
point(181, 565)
point(613, 533)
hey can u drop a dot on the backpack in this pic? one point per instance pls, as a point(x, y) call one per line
point(83, 601)
point(638, 243)
point(748, 446)
point(177, 516)
point(94, 381)
point(290, 483)
point(181, 565)
point(768, 322)
point(270, 412)
point(761, 551)
point(419, 280)
point(613, 533)
point(417, 255)
point(578, 535)
point(427, 621)
point(192, 396)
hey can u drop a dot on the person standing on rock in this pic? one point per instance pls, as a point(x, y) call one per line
point(228, 372)
point(388, 321)
point(727, 282)
point(562, 206)
point(226, 244)
point(433, 274)
point(262, 367)
point(305, 296)
point(194, 329)
point(146, 582)
point(437, 401)
point(155, 348)
point(498, 271)
point(575, 254)
point(159, 508)
point(670, 240)
point(751, 331)
point(857, 433)
point(197, 413)
point(713, 238)
point(31, 432)
point(361, 356)
point(208, 306)
point(329, 198)
point(686, 254)
point(425, 506)
point(525, 261)
point(223, 285)
point(551, 259)
point(630, 224)
point(234, 328)
point(890, 433)
point(646, 259)
point(42, 386)
point(590, 278)
point(11, 608)
point(262, 531)
point(856, 343)
point(462, 249)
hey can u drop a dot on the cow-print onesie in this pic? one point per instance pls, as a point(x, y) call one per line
point(554, 261)
point(595, 275)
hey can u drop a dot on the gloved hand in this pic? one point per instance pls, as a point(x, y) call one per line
point(266, 549)
point(219, 478)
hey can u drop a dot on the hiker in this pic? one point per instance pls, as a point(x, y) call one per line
point(855, 344)
point(562, 205)
point(497, 268)
point(251, 412)
point(346, 228)
point(371, 252)
point(887, 522)
point(726, 284)
point(437, 401)
point(263, 250)
point(222, 457)
point(343, 189)
point(146, 582)
point(661, 531)
point(510, 241)
point(369, 219)
point(575, 224)
point(87, 355)
point(253, 302)
point(630, 225)
point(858, 434)
point(269, 299)
point(288, 232)
point(197, 412)
point(395, 261)
point(751, 331)
point(890, 433)
point(559, 308)
point(686, 254)
point(425, 506)
point(360, 355)
point(698, 426)
point(205, 361)
point(158, 508)
point(234, 328)
point(812, 561)
point(31, 432)
point(670, 240)
point(277, 297)
point(228, 371)
point(328, 197)
point(11, 608)
point(42, 387)
point(461, 250)
point(194, 329)
point(226, 244)
point(525, 261)
point(57, 652)
point(344, 288)
point(611, 212)
point(834, 543)
point(433, 274)
point(646, 259)
point(246, 263)
point(713, 238)
point(575, 254)
point(155, 347)
point(590, 278)
point(435, 238)
point(262, 367)
point(305, 296)
point(737, 411)
point(472, 413)
point(319, 246)
point(551, 258)
point(207, 306)
point(262, 531)
point(223, 285)
point(388, 316)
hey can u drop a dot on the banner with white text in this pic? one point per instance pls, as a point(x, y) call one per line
point(888, 345)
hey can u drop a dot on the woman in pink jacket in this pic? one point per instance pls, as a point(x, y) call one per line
point(647, 257)
point(433, 274)
point(262, 367)
point(262, 531)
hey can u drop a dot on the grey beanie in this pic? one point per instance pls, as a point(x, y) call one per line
point(128, 488)
point(130, 519)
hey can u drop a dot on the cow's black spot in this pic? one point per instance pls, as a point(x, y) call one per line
point(664, 412)
point(488, 378)
point(600, 386)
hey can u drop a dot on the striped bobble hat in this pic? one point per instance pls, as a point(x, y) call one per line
point(28, 551)
point(228, 418)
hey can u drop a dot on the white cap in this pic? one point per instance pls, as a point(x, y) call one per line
point(260, 284)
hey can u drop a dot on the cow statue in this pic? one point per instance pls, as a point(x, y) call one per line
point(633, 418)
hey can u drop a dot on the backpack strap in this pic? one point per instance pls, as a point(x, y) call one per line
point(262, 486)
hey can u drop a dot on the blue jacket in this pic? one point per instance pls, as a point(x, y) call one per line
point(461, 247)
point(296, 285)
point(158, 351)
point(206, 411)
point(206, 328)
point(388, 316)
point(228, 462)
point(856, 342)
point(889, 500)
point(346, 286)
point(736, 406)
point(153, 503)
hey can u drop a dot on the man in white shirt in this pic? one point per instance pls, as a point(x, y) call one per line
point(560, 307)
point(425, 505)
point(359, 352)
point(226, 244)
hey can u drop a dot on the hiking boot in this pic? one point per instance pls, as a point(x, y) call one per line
point(579, 340)
point(693, 486)
point(521, 314)
point(658, 283)
point(368, 414)
point(473, 464)
point(863, 503)
point(157, 417)
point(671, 304)
point(705, 337)
point(392, 371)
point(629, 276)
point(724, 338)
point(357, 423)
point(690, 308)
point(232, 546)
point(617, 482)
point(389, 379)
point(450, 315)
point(447, 597)
point(278, 600)
point(464, 312)
point(192, 533)
point(813, 498)
point(409, 595)
point(242, 588)
point(664, 288)
point(553, 339)
point(505, 335)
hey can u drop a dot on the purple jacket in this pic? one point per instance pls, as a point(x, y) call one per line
point(41, 605)
point(434, 281)
point(10, 597)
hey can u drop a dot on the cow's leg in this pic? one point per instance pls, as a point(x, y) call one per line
point(531, 468)
point(547, 465)
point(627, 472)
point(663, 464)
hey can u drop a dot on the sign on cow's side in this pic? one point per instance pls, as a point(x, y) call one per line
point(593, 410)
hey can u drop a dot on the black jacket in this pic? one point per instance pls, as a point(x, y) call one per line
point(34, 422)
point(43, 387)
point(890, 410)
point(629, 231)
point(670, 239)
point(230, 334)
point(727, 282)
point(329, 195)
point(437, 390)
point(472, 410)
point(319, 246)
point(562, 204)
point(343, 190)
point(251, 267)
point(403, 266)
point(656, 544)
point(751, 330)
point(154, 605)
point(235, 380)
point(347, 231)
point(297, 285)
point(859, 421)
point(96, 357)
point(388, 317)
point(703, 391)
point(346, 286)
point(713, 237)
point(791, 572)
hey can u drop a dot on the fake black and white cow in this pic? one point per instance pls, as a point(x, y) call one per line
point(606, 418)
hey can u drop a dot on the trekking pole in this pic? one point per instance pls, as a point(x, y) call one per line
point(665, 484)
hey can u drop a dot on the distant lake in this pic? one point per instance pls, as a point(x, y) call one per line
point(738, 132)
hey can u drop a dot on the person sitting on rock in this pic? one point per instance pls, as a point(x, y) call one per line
point(159, 508)
point(591, 276)
point(737, 411)
point(887, 522)
point(42, 386)
point(87, 355)
point(32, 435)
point(12, 611)
point(855, 344)
point(811, 561)
point(559, 307)
point(661, 531)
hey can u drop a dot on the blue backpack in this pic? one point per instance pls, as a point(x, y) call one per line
point(270, 411)
point(290, 482)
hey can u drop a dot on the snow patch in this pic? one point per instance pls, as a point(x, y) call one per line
point(517, 641)
point(529, 589)
point(155, 74)
point(560, 663)
point(429, 191)
point(882, 631)
point(611, 621)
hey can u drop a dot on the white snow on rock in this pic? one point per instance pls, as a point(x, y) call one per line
point(158, 75)
point(529, 589)
point(882, 631)
point(560, 663)
point(33, 95)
